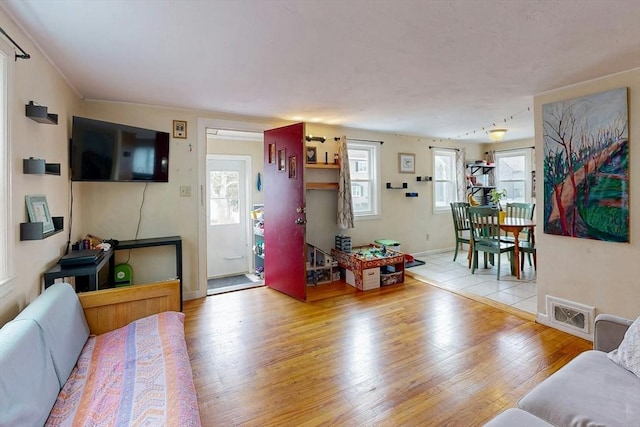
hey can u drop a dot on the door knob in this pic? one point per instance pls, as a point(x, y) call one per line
point(301, 221)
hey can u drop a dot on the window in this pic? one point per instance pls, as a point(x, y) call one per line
point(444, 180)
point(225, 198)
point(6, 240)
point(513, 173)
point(364, 167)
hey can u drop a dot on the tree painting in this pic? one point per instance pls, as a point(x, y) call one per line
point(586, 167)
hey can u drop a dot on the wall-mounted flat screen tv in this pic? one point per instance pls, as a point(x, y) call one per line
point(111, 152)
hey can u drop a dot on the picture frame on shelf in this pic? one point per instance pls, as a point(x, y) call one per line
point(406, 163)
point(180, 129)
point(38, 211)
point(312, 154)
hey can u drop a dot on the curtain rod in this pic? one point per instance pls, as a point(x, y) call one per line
point(512, 149)
point(444, 148)
point(24, 55)
point(337, 138)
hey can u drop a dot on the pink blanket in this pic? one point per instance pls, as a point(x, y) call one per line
point(136, 375)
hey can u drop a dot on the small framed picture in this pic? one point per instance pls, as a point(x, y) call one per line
point(293, 166)
point(282, 160)
point(406, 163)
point(38, 211)
point(180, 129)
point(312, 154)
point(272, 153)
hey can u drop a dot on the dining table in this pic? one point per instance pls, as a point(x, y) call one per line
point(516, 226)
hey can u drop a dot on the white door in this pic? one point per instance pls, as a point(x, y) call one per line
point(227, 216)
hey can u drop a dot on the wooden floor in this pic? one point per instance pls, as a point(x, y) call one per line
point(408, 354)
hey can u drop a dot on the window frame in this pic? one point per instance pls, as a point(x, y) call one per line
point(373, 156)
point(7, 274)
point(528, 156)
point(453, 196)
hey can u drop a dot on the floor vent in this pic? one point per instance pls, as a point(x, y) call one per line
point(569, 314)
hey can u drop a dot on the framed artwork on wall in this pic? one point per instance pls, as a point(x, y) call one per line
point(406, 163)
point(180, 129)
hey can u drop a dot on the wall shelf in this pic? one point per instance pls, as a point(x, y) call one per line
point(322, 166)
point(33, 166)
point(34, 230)
point(321, 185)
point(404, 185)
point(40, 114)
point(424, 178)
point(411, 194)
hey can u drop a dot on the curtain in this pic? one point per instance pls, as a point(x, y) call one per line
point(490, 157)
point(345, 204)
point(461, 175)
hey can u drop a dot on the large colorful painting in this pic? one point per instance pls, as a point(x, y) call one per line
point(586, 167)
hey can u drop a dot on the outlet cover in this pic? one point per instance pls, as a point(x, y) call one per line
point(185, 191)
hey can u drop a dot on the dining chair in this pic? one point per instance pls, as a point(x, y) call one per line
point(522, 210)
point(486, 237)
point(460, 224)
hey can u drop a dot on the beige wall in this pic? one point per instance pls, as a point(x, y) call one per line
point(600, 274)
point(36, 80)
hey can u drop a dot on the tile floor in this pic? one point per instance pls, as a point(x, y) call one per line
point(441, 269)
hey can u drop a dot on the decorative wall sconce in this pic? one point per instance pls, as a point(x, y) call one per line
point(496, 134)
point(315, 138)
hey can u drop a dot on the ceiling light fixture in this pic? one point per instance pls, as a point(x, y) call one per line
point(496, 134)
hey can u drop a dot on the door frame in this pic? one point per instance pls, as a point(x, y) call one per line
point(203, 124)
point(248, 199)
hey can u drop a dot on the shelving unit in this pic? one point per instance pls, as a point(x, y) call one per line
point(258, 239)
point(480, 173)
point(324, 185)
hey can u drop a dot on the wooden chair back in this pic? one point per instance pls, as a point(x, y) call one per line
point(460, 218)
point(484, 223)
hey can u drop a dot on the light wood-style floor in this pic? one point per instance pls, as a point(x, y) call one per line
point(408, 354)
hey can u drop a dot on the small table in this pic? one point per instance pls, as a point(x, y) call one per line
point(515, 226)
point(175, 241)
point(363, 258)
point(91, 270)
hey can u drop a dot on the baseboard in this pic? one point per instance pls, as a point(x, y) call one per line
point(432, 252)
point(186, 296)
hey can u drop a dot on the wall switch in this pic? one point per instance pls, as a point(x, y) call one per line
point(185, 191)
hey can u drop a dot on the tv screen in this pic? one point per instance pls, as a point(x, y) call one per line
point(103, 151)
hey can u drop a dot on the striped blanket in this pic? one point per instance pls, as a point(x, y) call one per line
point(136, 375)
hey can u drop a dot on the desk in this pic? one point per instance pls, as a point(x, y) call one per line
point(360, 259)
point(147, 243)
point(515, 226)
point(91, 270)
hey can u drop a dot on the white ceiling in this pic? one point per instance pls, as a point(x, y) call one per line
point(432, 68)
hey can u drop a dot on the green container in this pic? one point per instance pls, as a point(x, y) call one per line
point(123, 275)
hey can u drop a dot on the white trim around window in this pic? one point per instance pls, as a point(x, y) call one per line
point(364, 168)
point(6, 236)
point(444, 180)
